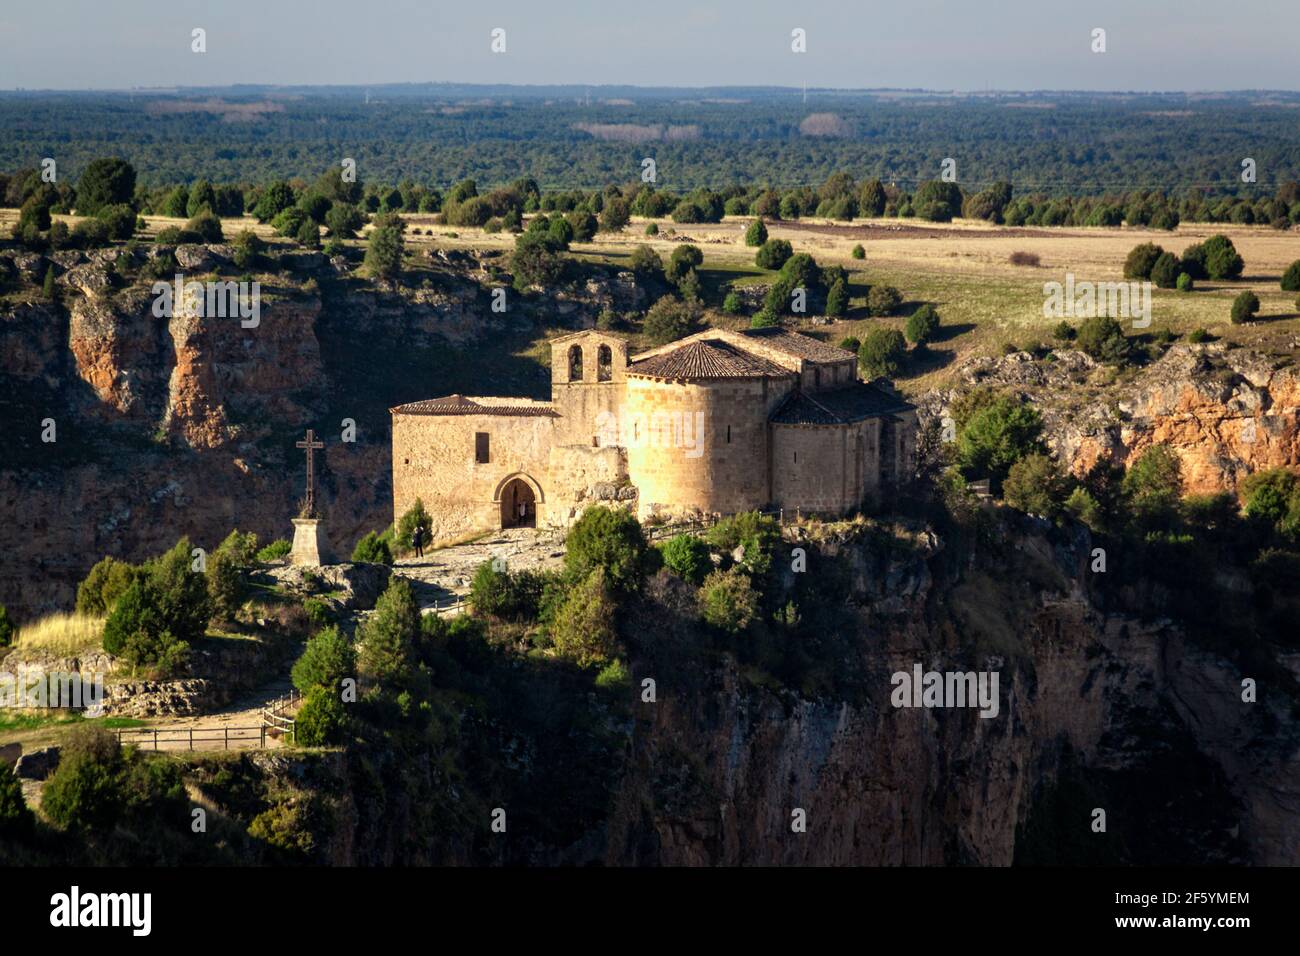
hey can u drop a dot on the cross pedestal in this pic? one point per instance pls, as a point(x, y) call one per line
point(310, 546)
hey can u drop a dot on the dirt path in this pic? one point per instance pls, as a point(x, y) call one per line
point(235, 727)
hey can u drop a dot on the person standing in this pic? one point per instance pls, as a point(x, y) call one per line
point(417, 541)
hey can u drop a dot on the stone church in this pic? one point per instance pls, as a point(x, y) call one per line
point(715, 423)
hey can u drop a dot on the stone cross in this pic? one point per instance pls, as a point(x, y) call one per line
point(311, 444)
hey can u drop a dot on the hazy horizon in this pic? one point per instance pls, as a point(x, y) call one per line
point(684, 88)
point(1161, 46)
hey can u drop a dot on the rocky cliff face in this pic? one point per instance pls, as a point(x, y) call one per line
point(716, 774)
point(1226, 412)
point(1097, 710)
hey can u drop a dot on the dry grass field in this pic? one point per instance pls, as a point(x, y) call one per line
point(60, 634)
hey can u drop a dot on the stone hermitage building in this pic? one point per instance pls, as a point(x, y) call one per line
point(717, 422)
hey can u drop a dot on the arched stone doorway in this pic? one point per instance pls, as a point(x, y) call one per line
point(518, 505)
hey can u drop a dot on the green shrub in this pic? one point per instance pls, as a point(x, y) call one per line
point(119, 220)
point(689, 287)
point(318, 612)
point(1034, 485)
point(1165, 271)
point(6, 628)
point(922, 324)
point(614, 676)
point(756, 234)
point(669, 320)
point(16, 818)
point(91, 233)
point(837, 299)
point(684, 258)
point(645, 262)
point(687, 556)
point(1101, 337)
point(773, 254)
point(882, 353)
point(206, 226)
point(386, 248)
point(491, 591)
point(164, 609)
point(1291, 277)
point(1085, 508)
point(240, 547)
point(850, 344)
point(883, 300)
point(1153, 484)
point(372, 549)
point(327, 659)
point(728, 600)
point(609, 538)
point(1197, 335)
point(584, 629)
point(1221, 258)
point(652, 229)
point(995, 436)
point(105, 583)
point(1244, 307)
point(274, 551)
point(85, 792)
point(288, 826)
point(1185, 282)
point(321, 720)
point(1141, 260)
point(1273, 496)
point(859, 252)
point(732, 304)
point(387, 637)
point(224, 586)
point(757, 534)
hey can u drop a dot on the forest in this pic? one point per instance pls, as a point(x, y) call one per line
point(585, 138)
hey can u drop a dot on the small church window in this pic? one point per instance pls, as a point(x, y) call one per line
point(728, 434)
point(481, 447)
point(575, 363)
point(604, 364)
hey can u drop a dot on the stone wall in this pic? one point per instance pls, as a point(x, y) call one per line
point(825, 469)
point(727, 469)
point(433, 459)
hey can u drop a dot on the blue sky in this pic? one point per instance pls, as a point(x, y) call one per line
point(932, 44)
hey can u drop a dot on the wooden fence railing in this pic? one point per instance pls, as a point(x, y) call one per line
point(456, 603)
point(274, 725)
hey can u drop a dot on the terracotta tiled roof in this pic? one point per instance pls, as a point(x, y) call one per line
point(704, 359)
point(838, 406)
point(462, 405)
point(803, 346)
